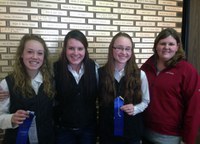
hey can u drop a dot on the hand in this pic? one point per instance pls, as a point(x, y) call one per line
point(3, 94)
point(128, 108)
point(19, 116)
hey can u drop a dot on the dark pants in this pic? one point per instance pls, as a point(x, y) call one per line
point(75, 136)
point(118, 140)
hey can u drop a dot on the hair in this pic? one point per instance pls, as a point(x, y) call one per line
point(78, 35)
point(21, 77)
point(132, 75)
point(179, 55)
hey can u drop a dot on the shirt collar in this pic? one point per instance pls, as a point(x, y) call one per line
point(119, 74)
point(77, 75)
point(38, 78)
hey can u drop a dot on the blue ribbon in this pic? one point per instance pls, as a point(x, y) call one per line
point(23, 129)
point(118, 117)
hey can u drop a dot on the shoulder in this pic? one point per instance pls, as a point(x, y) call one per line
point(185, 66)
point(142, 74)
point(96, 65)
point(101, 70)
point(56, 64)
point(148, 63)
point(4, 85)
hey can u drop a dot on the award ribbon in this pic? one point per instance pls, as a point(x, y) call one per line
point(23, 129)
point(118, 117)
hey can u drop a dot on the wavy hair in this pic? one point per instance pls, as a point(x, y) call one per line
point(132, 93)
point(21, 77)
point(179, 55)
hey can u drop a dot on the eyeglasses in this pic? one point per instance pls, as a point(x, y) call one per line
point(120, 48)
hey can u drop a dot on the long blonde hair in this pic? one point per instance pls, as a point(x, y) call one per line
point(21, 77)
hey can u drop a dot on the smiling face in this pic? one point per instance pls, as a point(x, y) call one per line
point(122, 51)
point(166, 48)
point(75, 52)
point(33, 56)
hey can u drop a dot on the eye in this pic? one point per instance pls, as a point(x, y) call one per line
point(30, 51)
point(80, 48)
point(71, 48)
point(162, 43)
point(171, 44)
point(128, 49)
point(40, 53)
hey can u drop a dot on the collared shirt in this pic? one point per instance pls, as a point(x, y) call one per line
point(79, 74)
point(5, 116)
point(138, 108)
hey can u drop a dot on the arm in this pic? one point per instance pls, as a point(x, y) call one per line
point(191, 97)
point(5, 117)
point(8, 120)
point(145, 95)
point(3, 94)
point(135, 109)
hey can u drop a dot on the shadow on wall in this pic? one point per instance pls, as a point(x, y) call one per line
point(1, 136)
point(198, 138)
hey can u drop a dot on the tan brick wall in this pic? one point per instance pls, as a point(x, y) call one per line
point(99, 20)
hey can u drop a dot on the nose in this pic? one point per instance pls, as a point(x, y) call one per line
point(75, 51)
point(167, 46)
point(123, 50)
point(34, 55)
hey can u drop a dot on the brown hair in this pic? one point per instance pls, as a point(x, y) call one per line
point(180, 52)
point(78, 35)
point(132, 93)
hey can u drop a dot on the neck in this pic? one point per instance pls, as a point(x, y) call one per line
point(160, 65)
point(32, 74)
point(76, 67)
point(119, 67)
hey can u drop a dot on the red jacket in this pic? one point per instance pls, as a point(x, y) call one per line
point(174, 107)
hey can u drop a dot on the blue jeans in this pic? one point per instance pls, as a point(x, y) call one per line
point(75, 136)
point(157, 138)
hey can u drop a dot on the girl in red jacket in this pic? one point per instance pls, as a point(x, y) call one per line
point(173, 114)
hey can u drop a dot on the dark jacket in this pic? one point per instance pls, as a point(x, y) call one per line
point(40, 104)
point(76, 103)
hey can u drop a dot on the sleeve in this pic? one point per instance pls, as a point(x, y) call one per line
point(145, 95)
point(5, 117)
point(191, 97)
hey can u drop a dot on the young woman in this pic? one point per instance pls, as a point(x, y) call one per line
point(173, 114)
point(123, 94)
point(76, 86)
point(30, 89)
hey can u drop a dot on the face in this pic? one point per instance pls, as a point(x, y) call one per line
point(75, 52)
point(122, 50)
point(167, 48)
point(33, 56)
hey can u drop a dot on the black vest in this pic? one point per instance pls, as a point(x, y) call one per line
point(133, 125)
point(76, 103)
point(40, 104)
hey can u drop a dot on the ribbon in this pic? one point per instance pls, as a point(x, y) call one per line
point(23, 129)
point(118, 117)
